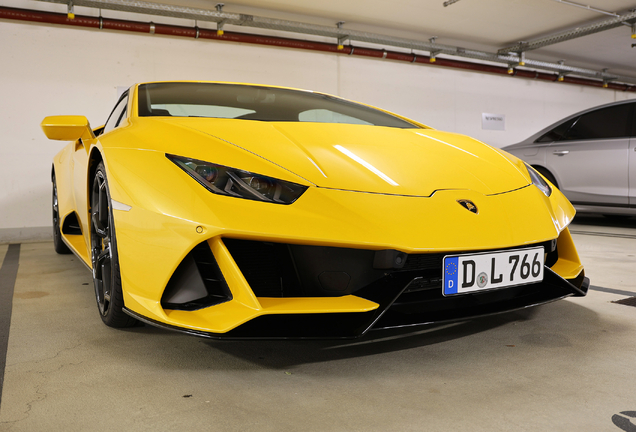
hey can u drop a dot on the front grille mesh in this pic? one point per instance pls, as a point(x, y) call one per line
point(274, 269)
point(260, 264)
point(428, 261)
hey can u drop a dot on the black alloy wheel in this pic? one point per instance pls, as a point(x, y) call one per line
point(106, 275)
point(58, 243)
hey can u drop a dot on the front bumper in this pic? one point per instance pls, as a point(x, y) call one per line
point(247, 299)
point(298, 294)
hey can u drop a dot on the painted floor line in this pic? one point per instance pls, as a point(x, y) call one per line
point(613, 291)
point(602, 234)
point(8, 275)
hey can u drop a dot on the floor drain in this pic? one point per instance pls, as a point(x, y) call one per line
point(629, 301)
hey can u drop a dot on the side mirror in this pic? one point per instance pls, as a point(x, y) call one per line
point(67, 128)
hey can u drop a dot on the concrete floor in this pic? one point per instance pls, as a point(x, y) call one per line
point(566, 366)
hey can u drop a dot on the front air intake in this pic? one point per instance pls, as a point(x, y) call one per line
point(197, 282)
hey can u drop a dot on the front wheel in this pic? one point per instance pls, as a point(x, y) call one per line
point(106, 275)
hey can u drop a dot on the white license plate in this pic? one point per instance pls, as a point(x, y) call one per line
point(492, 270)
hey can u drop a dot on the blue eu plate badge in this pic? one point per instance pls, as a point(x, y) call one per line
point(451, 272)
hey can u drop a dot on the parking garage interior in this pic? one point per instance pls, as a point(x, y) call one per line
point(494, 70)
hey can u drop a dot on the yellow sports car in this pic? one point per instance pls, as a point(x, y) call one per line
point(238, 210)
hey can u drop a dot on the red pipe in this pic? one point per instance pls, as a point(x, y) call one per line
point(171, 30)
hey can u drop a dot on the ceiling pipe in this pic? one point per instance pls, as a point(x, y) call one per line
point(593, 9)
point(337, 32)
point(200, 33)
point(586, 7)
point(596, 27)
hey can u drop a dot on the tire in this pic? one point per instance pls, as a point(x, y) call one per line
point(58, 244)
point(547, 174)
point(106, 274)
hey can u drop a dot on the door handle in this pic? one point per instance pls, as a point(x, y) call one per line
point(561, 152)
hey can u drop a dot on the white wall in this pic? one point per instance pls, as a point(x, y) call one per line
point(49, 70)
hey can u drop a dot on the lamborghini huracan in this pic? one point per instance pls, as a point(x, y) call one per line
point(242, 211)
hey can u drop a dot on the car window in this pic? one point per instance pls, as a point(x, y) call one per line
point(604, 123)
point(117, 114)
point(558, 133)
point(193, 110)
point(248, 102)
point(98, 131)
point(123, 114)
point(327, 116)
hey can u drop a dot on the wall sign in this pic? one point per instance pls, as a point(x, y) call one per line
point(493, 121)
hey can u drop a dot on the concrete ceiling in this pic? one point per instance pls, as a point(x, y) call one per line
point(480, 24)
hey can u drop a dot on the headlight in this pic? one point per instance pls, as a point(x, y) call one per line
point(538, 181)
point(228, 181)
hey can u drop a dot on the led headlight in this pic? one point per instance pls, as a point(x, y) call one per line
point(538, 181)
point(234, 182)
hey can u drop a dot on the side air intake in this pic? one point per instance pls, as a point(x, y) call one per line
point(71, 225)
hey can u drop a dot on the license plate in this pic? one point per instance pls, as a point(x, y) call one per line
point(492, 270)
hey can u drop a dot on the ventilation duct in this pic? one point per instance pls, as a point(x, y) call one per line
point(598, 78)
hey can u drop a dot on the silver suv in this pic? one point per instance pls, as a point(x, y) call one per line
point(590, 156)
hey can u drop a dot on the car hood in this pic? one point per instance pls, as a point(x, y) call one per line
point(366, 158)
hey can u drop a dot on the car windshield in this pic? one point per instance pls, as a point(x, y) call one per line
point(248, 102)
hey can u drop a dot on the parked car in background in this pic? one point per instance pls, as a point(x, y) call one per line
point(590, 156)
